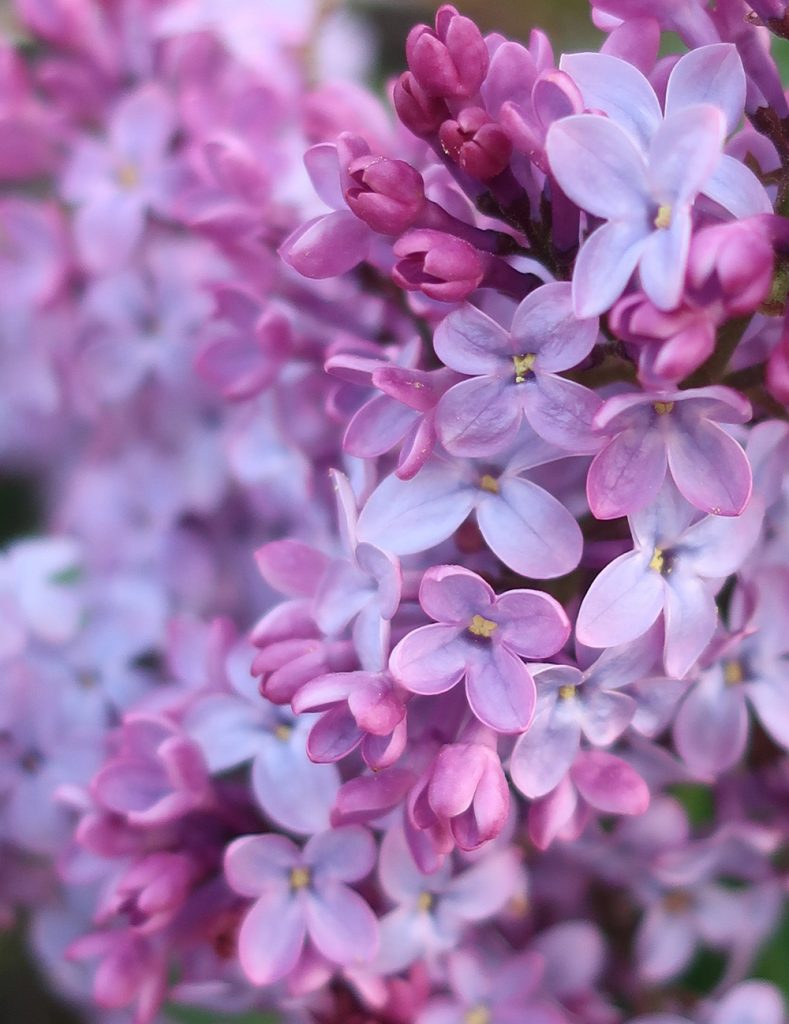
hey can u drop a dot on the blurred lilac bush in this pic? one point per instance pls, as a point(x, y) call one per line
point(337, 402)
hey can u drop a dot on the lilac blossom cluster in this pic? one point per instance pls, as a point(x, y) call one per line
point(414, 544)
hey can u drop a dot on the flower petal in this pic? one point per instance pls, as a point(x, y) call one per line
point(341, 925)
point(271, 937)
point(710, 469)
point(470, 341)
point(545, 324)
point(709, 74)
point(621, 604)
point(501, 691)
point(627, 474)
point(479, 416)
point(605, 264)
point(618, 89)
point(529, 529)
point(598, 165)
point(429, 660)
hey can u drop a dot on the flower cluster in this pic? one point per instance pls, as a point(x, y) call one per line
point(403, 635)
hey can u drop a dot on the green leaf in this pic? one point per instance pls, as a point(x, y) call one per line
point(773, 961)
point(697, 800)
point(195, 1015)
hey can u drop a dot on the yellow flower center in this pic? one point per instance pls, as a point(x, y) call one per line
point(489, 483)
point(677, 901)
point(733, 673)
point(567, 692)
point(482, 627)
point(523, 365)
point(299, 878)
point(661, 408)
point(425, 901)
point(282, 732)
point(128, 176)
point(478, 1015)
point(663, 218)
point(657, 561)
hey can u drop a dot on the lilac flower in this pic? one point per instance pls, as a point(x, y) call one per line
point(711, 726)
point(498, 993)
point(675, 430)
point(524, 525)
point(433, 910)
point(156, 776)
point(240, 726)
point(516, 372)
point(676, 568)
point(596, 779)
point(363, 588)
point(116, 184)
point(642, 174)
point(571, 703)
point(300, 894)
point(480, 637)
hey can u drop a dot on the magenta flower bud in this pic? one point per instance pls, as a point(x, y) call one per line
point(733, 264)
point(420, 113)
point(442, 266)
point(476, 143)
point(388, 195)
point(778, 370)
point(450, 61)
point(468, 789)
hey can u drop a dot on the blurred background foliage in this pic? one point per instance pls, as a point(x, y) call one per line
point(23, 995)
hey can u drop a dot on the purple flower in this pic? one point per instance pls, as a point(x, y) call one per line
point(676, 430)
point(571, 703)
point(480, 637)
point(493, 992)
point(115, 184)
point(433, 910)
point(523, 524)
point(156, 776)
point(597, 780)
point(642, 174)
point(516, 372)
point(300, 894)
point(676, 567)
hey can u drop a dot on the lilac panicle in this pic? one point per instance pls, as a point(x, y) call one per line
point(398, 630)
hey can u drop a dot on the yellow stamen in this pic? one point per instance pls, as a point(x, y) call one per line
point(663, 218)
point(518, 906)
point(299, 878)
point(657, 561)
point(661, 408)
point(677, 901)
point(523, 365)
point(478, 1015)
point(567, 692)
point(489, 483)
point(425, 901)
point(282, 732)
point(128, 176)
point(482, 627)
point(733, 673)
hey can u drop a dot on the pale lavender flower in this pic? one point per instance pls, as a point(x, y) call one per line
point(300, 894)
point(480, 637)
point(677, 566)
point(514, 373)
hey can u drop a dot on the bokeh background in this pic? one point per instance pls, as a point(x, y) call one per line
point(24, 998)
